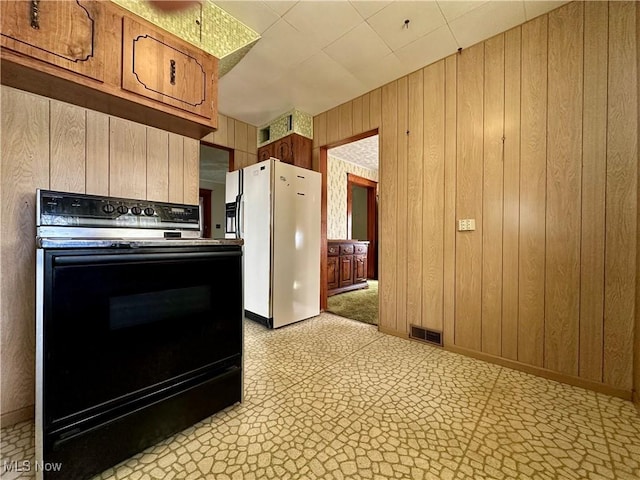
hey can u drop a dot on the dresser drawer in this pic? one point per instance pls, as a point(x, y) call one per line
point(361, 248)
point(333, 250)
point(346, 249)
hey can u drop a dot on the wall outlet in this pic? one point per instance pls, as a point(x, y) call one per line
point(466, 224)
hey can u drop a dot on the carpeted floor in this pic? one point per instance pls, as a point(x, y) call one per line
point(361, 305)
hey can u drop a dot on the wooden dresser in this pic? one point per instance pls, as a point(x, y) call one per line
point(346, 265)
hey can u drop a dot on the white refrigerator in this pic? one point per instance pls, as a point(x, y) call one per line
point(275, 208)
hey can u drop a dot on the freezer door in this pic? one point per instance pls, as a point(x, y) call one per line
point(296, 244)
point(256, 231)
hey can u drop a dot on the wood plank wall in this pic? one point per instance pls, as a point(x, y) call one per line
point(238, 135)
point(533, 133)
point(52, 145)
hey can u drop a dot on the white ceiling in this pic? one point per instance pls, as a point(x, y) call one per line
point(314, 55)
point(362, 152)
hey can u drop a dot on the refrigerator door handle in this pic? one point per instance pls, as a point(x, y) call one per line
point(238, 217)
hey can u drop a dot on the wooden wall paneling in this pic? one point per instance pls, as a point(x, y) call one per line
point(357, 116)
point(346, 120)
point(242, 159)
point(621, 191)
point(25, 167)
point(231, 133)
point(241, 134)
point(594, 171)
point(511, 193)
point(176, 168)
point(333, 125)
point(414, 230)
point(320, 130)
point(191, 171)
point(157, 165)
point(533, 153)
point(252, 140)
point(68, 147)
point(401, 207)
point(564, 168)
point(366, 115)
point(97, 153)
point(636, 348)
point(127, 159)
point(221, 135)
point(388, 201)
point(433, 195)
point(449, 220)
point(492, 198)
point(375, 108)
point(252, 158)
point(468, 322)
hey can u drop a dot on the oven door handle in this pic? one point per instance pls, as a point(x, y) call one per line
point(140, 257)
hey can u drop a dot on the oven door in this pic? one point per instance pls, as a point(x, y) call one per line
point(122, 325)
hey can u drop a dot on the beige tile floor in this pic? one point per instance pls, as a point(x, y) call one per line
point(331, 398)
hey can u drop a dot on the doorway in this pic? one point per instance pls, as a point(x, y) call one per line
point(215, 162)
point(362, 217)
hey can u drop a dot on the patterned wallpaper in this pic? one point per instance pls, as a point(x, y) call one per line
point(337, 194)
point(302, 124)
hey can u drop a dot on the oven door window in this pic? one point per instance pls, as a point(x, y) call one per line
point(120, 324)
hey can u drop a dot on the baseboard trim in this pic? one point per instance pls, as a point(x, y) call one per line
point(538, 371)
point(544, 373)
point(16, 416)
point(395, 333)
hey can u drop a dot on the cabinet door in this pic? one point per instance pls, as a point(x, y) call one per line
point(67, 34)
point(346, 270)
point(266, 152)
point(359, 268)
point(333, 278)
point(165, 69)
point(302, 151)
point(284, 149)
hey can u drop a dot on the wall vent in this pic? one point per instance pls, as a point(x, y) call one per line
point(430, 336)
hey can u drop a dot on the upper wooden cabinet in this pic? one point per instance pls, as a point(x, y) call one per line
point(100, 56)
point(165, 69)
point(67, 34)
point(294, 149)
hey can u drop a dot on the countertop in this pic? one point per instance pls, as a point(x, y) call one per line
point(132, 242)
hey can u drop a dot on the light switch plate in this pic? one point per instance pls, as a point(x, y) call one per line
point(466, 224)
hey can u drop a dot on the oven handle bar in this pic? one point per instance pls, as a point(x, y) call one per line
point(140, 257)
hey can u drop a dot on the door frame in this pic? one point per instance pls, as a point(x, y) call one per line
point(205, 194)
point(322, 168)
point(372, 218)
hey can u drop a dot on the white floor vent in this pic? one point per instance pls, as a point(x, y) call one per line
point(430, 336)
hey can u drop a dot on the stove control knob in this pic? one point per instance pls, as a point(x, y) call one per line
point(108, 208)
point(149, 211)
point(122, 209)
point(136, 210)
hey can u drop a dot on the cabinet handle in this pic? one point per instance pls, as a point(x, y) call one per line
point(35, 20)
point(172, 71)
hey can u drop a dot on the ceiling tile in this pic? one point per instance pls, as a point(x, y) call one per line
point(427, 49)
point(358, 48)
point(366, 8)
point(533, 9)
point(255, 15)
point(280, 7)
point(486, 21)
point(389, 22)
point(380, 72)
point(323, 22)
point(285, 45)
point(454, 9)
